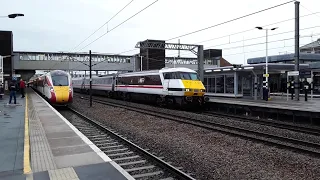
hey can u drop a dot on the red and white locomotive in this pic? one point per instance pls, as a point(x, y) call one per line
point(55, 87)
point(166, 86)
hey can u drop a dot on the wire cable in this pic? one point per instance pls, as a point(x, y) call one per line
point(260, 37)
point(240, 32)
point(104, 24)
point(308, 9)
point(120, 24)
point(305, 36)
point(230, 20)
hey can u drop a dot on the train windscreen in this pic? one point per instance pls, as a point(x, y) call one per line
point(188, 76)
point(60, 80)
point(181, 75)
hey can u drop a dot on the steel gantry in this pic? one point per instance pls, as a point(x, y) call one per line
point(196, 49)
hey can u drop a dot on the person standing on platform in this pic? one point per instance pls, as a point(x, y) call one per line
point(13, 89)
point(22, 88)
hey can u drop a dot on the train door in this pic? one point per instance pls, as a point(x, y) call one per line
point(166, 82)
point(113, 83)
point(83, 86)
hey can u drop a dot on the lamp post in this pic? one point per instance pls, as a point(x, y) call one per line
point(12, 16)
point(267, 75)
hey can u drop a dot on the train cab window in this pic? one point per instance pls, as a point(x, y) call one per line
point(188, 76)
point(60, 80)
point(167, 75)
point(171, 75)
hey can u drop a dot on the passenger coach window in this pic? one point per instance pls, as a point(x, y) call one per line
point(60, 80)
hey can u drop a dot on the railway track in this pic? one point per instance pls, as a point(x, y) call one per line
point(272, 123)
point(138, 162)
point(301, 146)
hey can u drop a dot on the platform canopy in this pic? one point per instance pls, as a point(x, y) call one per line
point(260, 66)
point(285, 58)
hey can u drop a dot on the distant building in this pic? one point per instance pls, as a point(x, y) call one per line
point(224, 62)
point(313, 47)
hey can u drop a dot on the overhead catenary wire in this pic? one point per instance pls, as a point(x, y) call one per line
point(251, 29)
point(249, 39)
point(255, 44)
point(241, 17)
point(240, 32)
point(130, 65)
point(120, 24)
point(103, 24)
point(231, 48)
point(308, 10)
point(282, 21)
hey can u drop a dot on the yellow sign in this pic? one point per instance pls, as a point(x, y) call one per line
point(265, 75)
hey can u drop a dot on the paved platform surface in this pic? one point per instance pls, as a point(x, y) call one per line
point(58, 151)
point(275, 102)
point(11, 137)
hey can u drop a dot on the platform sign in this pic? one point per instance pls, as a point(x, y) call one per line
point(293, 73)
point(265, 75)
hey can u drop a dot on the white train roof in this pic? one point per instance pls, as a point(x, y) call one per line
point(142, 73)
point(155, 72)
point(178, 69)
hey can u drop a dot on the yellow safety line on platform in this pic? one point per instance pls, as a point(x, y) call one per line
point(26, 156)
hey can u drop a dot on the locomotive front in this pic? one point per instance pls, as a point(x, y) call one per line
point(184, 85)
point(61, 88)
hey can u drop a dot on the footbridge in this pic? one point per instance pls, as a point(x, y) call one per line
point(23, 61)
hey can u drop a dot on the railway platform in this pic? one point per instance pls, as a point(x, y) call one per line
point(39, 143)
point(11, 138)
point(278, 108)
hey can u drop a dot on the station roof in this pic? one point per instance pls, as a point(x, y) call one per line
point(314, 44)
point(284, 57)
point(260, 66)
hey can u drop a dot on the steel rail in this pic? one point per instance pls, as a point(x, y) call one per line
point(280, 141)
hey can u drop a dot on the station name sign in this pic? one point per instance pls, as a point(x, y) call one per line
point(293, 73)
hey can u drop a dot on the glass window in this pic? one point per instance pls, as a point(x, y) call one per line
point(229, 84)
point(181, 75)
point(60, 80)
point(220, 84)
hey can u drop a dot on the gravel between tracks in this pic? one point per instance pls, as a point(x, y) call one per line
point(208, 154)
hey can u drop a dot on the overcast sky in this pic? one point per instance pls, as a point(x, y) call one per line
point(60, 25)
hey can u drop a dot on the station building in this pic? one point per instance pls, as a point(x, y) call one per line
point(246, 81)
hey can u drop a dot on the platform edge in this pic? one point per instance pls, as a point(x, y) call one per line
point(26, 153)
point(97, 150)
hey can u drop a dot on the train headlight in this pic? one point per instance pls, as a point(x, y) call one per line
point(202, 90)
point(51, 89)
point(188, 90)
point(70, 89)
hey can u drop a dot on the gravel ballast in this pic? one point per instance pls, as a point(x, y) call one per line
point(207, 154)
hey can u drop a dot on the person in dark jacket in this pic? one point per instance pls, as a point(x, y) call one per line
point(13, 89)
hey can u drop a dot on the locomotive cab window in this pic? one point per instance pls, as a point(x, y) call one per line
point(181, 75)
point(60, 80)
point(188, 76)
point(171, 75)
